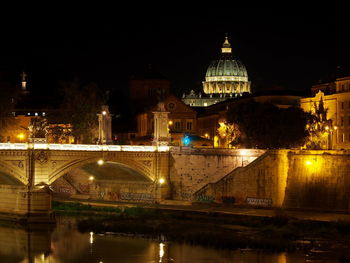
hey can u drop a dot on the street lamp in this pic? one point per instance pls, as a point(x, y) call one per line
point(20, 137)
point(330, 135)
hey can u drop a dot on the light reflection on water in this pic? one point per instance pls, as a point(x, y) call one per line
point(64, 244)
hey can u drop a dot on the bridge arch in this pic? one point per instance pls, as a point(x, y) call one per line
point(111, 181)
point(79, 163)
point(14, 169)
point(7, 179)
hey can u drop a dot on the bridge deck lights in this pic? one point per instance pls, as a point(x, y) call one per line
point(84, 147)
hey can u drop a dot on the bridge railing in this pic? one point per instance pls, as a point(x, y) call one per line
point(82, 147)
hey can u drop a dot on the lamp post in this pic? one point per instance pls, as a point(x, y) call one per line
point(330, 130)
point(242, 153)
point(104, 126)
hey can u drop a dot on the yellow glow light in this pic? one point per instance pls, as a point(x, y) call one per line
point(100, 162)
point(335, 127)
point(327, 128)
point(161, 181)
point(20, 136)
point(161, 252)
point(104, 112)
point(206, 135)
point(170, 122)
point(91, 237)
point(243, 152)
point(91, 178)
point(308, 163)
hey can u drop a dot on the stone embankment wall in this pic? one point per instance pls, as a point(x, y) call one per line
point(257, 181)
point(192, 168)
point(14, 200)
point(288, 178)
point(318, 179)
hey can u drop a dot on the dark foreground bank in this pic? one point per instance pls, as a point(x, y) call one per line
point(320, 240)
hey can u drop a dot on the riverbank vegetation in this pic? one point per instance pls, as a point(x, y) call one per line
point(277, 233)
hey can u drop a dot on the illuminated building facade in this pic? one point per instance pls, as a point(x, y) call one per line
point(182, 121)
point(225, 78)
point(338, 111)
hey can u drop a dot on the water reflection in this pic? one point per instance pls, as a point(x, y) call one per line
point(161, 252)
point(64, 244)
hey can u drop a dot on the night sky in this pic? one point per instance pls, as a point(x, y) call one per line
point(281, 48)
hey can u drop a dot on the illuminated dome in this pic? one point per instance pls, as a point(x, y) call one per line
point(226, 75)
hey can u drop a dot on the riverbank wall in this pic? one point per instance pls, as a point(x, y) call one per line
point(287, 178)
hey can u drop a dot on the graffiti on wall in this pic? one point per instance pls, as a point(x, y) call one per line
point(186, 196)
point(65, 190)
point(259, 201)
point(205, 199)
point(136, 196)
point(114, 196)
point(84, 188)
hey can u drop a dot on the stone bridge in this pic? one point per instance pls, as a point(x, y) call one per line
point(48, 162)
point(31, 167)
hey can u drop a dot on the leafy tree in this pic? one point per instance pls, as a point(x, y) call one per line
point(81, 103)
point(317, 126)
point(263, 125)
point(229, 134)
point(59, 133)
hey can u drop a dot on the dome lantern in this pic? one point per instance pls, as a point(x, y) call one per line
point(226, 47)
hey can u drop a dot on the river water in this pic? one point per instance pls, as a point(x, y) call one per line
point(63, 243)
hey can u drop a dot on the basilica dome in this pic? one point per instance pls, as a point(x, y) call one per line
point(226, 75)
point(227, 67)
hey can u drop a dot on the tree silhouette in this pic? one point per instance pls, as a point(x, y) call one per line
point(263, 125)
point(81, 103)
point(318, 125)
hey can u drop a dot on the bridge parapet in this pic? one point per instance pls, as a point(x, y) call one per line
point(83, 147)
